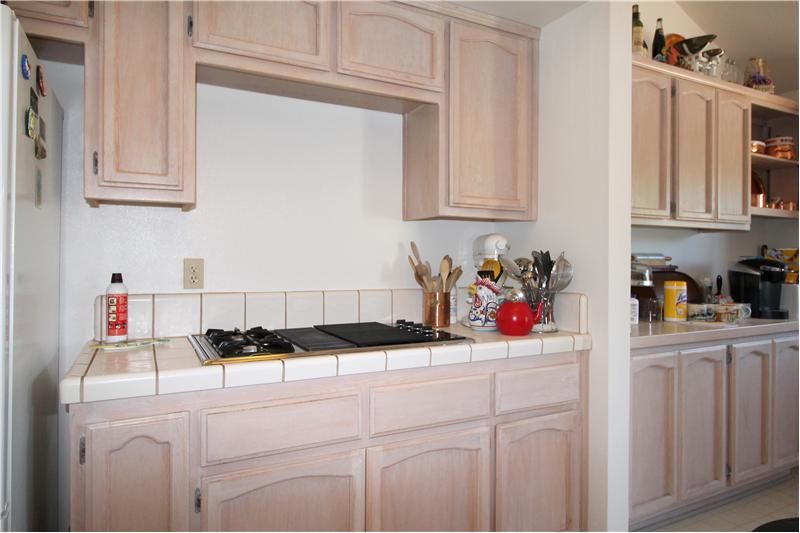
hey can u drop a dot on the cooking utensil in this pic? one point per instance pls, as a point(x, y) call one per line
point(415, 251)
point(453, 278)
point(561, 275)
point(444, 271)
point(511, 267)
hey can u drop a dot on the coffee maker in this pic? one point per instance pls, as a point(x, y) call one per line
point(758, 281)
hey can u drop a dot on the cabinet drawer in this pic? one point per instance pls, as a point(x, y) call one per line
point(237, 432)
point(418, 405)
point(525, 389)
point(393, 43)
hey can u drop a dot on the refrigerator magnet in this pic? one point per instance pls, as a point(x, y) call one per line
point(34, 101)
point(40, 82)
point(25, 66)
point(39, 149)
point(31, 120)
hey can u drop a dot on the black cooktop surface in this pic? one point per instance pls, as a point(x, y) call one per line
point(367, 334)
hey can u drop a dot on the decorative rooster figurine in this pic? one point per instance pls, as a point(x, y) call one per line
point(483, 313)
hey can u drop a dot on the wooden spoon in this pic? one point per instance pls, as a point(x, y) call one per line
point(453, 278)
point(415, 251)
point(444, 271)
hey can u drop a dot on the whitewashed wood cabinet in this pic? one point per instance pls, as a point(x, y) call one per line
point(174, 462)
point(144, 121)
point(702, 421)
point(654, 441)
point(529, 452)
point(785, 401)
point(138, 474)
point(651, 144)
point(322, 494)
point(733, 157)
point(63, 12)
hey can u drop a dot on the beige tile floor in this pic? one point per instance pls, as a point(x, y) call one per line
point(745, 514)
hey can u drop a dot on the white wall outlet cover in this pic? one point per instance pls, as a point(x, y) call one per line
point(193, 273)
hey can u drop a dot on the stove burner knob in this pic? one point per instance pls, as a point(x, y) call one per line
point(400, 323)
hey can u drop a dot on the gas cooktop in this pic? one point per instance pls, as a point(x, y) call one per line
point(219, 346)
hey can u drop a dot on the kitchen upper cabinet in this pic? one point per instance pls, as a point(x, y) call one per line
point(144, 149)
point(654, 403)
point(538, 474)
point(435, 483)
point(393, 43)
point(733, 157)
point(136, 475)
point(71, 13)
point(491, 122)
point(297, 33)
point(325, 494)
point(651, 146)
point(749, 410)
point(702, 420)
point(694, 152)
point(784, 402)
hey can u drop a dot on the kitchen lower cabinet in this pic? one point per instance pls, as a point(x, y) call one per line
point(537, 474)
point(651, 144)
point(654, 404)
point(702, 378)
point(143, 148)
point(436, 483)
point(325, 494)
point(137, 474)
point(296, 33)
point(749, 410)
point(785, 402)
point(64, 12)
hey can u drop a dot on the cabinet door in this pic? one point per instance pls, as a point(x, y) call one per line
point(137, 474)
point(702, 420)
point(784, 402)
point(651, 144)
point(749, 410)
point(438, 483)
point(297, 33)
point(145, 153)
point(733, 157)
point(694, 144)
point(72, 13)
point(538, 474)
point(326, 494)
point(654, 388)
point(392, 42)
point(490, 119)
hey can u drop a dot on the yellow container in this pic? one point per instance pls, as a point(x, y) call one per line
point(675, 301)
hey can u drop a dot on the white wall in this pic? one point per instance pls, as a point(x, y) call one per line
point(584, 209)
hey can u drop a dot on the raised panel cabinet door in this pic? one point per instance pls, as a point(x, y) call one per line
point(749, 410)
point(702, 424)
point(392, 42)
point(654, 404)
point(651, 148)
point(72, 13)
point(694, 142)
point(325, 494)
point(784, 402)
point(137, 474)
point(538, 474)
point(733, 157)
point(491, 78)
point(297, 33)
point(147, 122)
point(436, 483)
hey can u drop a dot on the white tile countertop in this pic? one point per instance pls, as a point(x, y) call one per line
point(99, 375)
point(655, 334)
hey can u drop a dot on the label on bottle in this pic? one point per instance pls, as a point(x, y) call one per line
point(117, 313)
point(638, 40)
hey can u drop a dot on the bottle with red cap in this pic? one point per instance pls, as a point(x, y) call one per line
point(116, 310)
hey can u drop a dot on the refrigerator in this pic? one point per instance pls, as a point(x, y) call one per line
point(30, 210)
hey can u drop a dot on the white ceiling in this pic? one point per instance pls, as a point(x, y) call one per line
point(753, 29)
point(537, 14)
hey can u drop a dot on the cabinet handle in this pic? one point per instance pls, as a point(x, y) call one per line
point(94, 163)
point(189, 25)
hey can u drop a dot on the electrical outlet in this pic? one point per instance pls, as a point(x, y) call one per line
point(192, 273)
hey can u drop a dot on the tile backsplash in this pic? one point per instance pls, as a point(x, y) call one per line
point(174, 315)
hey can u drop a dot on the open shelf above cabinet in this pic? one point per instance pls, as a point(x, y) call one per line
point(768, 162)
point(766, 212)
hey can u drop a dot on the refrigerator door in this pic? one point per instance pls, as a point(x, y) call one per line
point(33, 230)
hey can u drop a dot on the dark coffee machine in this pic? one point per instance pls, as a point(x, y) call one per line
point(757, 281)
